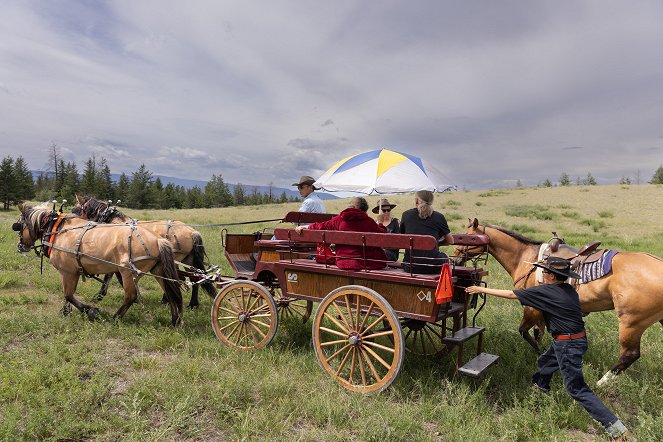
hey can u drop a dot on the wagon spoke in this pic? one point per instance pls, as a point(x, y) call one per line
point(352, 364)
point(376, 376)
point(226, 326)
point(368, 313)
point(349, 309)
point(226, 318)
point(343, 362)
point(339, 351)
point(381, 347)
point(376, 356)
point(334, 332)
point(328, 343)
point(232, 312)
point(264, 324)
point(239, 335)
point(338, 324)
point(255, 301)
point(377, 335)
point(375, 322)
point(342, 316)
point(257, 329)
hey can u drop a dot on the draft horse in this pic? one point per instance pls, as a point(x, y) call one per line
point(187, 242)
point(77, 247)
point(634, 288)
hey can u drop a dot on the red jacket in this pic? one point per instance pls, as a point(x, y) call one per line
point(355, 220)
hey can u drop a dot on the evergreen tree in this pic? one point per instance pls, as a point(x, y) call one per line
point(589, 180)
point(547, 183)
point(194, 198)
point(89, 178)
point(104, 180)
point(564, 179)
point(138, 196)
point(238, 195)
point(658, 176)
point(8, 188)
point(24, 182)
point(122, 189)
point(156, 194)
point(283, 198)
point(71, 181)
point(217, 193)
point(625, 180)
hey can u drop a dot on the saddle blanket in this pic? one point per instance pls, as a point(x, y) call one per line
point(588, 272)
point(597, 269)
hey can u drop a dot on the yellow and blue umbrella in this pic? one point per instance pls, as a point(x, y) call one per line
point(378, 171)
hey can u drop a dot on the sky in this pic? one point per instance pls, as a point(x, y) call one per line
point(487, 93)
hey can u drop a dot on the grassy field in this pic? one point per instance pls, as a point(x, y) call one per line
point(66, 378)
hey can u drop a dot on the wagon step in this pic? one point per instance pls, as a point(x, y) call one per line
point(475, 367)
point(463, 335)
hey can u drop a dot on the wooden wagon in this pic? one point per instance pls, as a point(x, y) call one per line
point(366, 320)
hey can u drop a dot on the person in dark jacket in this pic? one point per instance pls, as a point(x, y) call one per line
point(383, 209)
point(423, 220)
point(354, 219)
point(560, 305)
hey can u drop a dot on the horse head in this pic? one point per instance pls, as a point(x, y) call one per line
point(28, 227)
point(466, 251)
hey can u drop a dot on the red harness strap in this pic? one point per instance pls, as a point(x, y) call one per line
point(52, 234)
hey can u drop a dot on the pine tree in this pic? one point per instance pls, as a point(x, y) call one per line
point(239, 195)
point(8, 188)
point(138, 196)
point(89, 178)
point(658, 176)
point(24, 181)
point(564, 179)
point(589, 180)
point(122, 189)
point(547, 183)
point(104, 180)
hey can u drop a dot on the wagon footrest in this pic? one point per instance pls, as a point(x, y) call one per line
point(463, 335)
point(477, 366)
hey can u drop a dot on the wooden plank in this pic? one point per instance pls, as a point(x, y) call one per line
point(306, 217)
point(369, 239)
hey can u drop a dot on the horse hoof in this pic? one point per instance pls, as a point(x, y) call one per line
point(92, 314)
point(609, 376)
point(66, 309)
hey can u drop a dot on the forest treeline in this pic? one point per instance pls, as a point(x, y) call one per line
point(143, 191)
point(140, 191)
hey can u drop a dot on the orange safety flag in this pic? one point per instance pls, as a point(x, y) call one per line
point(445, 288)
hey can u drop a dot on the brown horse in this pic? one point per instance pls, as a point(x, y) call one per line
point(634, 288)
point(77, 247)
point(187, 242)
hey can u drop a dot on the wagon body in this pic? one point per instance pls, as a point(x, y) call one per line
point(379, 313)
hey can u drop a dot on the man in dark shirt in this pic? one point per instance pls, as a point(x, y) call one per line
point(560, 305)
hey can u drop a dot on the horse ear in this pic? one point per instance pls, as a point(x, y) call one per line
point(20, 207)
point(80, 200)
point(475, 223)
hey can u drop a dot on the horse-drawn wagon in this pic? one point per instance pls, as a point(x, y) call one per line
point(366, 320)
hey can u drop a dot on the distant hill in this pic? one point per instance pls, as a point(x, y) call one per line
point(188, 184)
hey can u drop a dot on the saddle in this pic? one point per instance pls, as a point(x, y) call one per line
point(588, 254)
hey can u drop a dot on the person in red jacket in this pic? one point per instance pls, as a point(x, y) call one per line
point(354, 219)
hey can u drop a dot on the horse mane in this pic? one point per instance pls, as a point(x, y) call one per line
point(33, 217)
point(94, 210)
point(515, 235)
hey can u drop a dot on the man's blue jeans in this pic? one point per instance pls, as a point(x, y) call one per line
point(566, 356)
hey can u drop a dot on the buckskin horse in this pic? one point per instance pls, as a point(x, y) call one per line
point(78, 247)
point(633, 288)
point(187, 242)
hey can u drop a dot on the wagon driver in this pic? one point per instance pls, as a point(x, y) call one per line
point(560, 305)
point(310, 201)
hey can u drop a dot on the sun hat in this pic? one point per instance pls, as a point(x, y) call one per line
point(305, 179)
point(559, 266)
point(384, 202)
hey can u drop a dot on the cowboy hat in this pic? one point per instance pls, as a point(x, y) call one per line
point(384, 202)
point(559, 266)
point(305, 179)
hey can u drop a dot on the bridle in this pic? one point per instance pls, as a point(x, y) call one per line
point(469, 252)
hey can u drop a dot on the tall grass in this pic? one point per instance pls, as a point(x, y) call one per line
point(66, 378)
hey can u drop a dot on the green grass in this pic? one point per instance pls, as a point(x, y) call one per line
point(66, 378)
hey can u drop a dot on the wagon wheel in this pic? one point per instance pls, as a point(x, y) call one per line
point(351, 343)
point(244, 315)
point(291, 307)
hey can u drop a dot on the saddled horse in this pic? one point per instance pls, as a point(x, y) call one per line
point(187, 242)
point(77, 247)
point(633, 288)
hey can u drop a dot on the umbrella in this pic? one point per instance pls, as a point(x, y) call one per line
point(378, 171)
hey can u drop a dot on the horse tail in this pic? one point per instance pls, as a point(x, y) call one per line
point(198, 254)
point(168, 270)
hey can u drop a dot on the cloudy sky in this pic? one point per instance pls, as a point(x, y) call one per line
point(486, 93)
